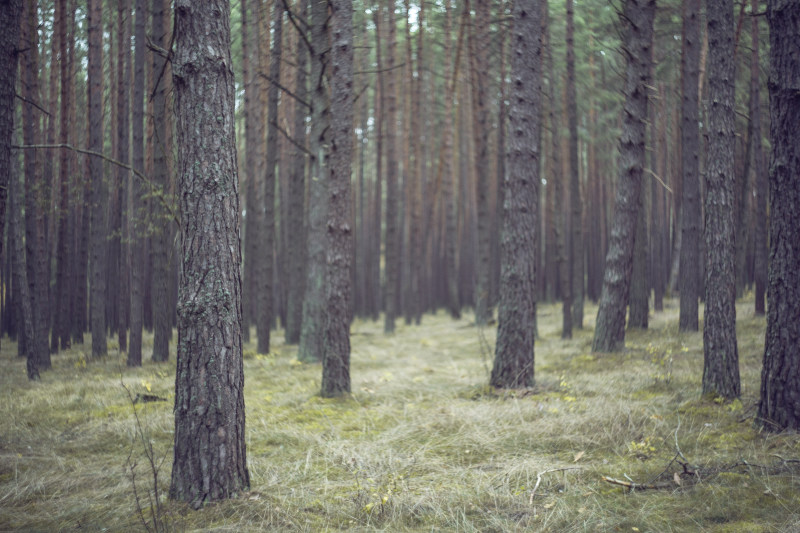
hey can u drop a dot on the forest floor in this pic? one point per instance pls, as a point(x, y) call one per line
point(423, 444)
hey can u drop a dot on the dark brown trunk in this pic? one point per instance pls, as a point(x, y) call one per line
point(10, 15)
point(123, 175)
point(393, 233)
point(210, 458)
point(576, 209)
point(514, 352)
point(761, 181)
point(609, 332)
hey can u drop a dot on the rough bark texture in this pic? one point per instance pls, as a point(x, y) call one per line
point(266, 250)
point(762, 187)
point(98, 195)
point(481, 126)
point(576, 209)
point(721, 356)
point(513, 362)
point(10, 13)
point(209, 460)
point(312, 331)
point(336, 361)
point(137, 191)
point(779, 407)
point(640, 287)
point(162, 321)
point(393, 233)
point(689, 280)
point(609, 333)
point(297, 187)
point(35, 190)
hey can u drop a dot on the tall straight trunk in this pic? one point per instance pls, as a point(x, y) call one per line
point(267, 250)
point(162, 322)
point(250, 80)
point(61, 326)
point(311, 346)
point(609, 332)
point(35, 190)
point(640, 280)
point(209, 456)
point(658, 228)
point(297, 187)
point(721, 356)
point(760, 236)
point(375, 300)
point(393, 231)
point(514, 355)
point(689, 280)
point(16, 236)
point(500, 168)
point(10, 16)
point(123, 175)
point(99, 188)
point(779, 405)
point(451, 230)
point(336, 360)
point(415, 175)
point(480, 104)
point(576, 208)
point(136, 257)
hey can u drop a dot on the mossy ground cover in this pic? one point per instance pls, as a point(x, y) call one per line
point(422, 444)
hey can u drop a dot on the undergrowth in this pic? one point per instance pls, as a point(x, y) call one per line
point(422, 444)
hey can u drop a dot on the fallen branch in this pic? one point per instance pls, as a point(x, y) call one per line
point(539, 478)
point(631, 485)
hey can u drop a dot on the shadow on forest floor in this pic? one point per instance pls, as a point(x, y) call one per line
point(423, 444)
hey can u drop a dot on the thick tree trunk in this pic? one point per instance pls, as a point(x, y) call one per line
point(779, 406)
point(721, 356)
point(609, 334)
point(35, 190)
point(312, 331)
point(209, 460)
point(336, 361)
point(689, 281)
point(514, 356)
point(640, 280)
point(10, 14)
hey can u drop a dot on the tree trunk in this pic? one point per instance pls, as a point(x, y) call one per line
point(760, 236)
point(297, 187)
point(640, 280)
point(609, 334)
point(123, 175)
point(576, 209)
point(689, 280)
point(336, 361)
point(35, 190)
point(393, 233)
point(162, 323)
point(514, 356)
point(779, 406)
point(10, 14)
point(312, 331)
point(209, 460)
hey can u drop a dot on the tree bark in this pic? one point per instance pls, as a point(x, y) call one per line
point(336, 361)
point(609, 333)
point(10, 14)
point(209, 458)
point(689, 280)
point(514, 352)
point(779, 406)
point(760, 236)
point(576, 209)
point(393, 232)
point(123, 175)
point(721, 356)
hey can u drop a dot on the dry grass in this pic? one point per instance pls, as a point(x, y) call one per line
point(423, 444)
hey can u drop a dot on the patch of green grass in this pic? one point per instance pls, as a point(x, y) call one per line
point(422, 443)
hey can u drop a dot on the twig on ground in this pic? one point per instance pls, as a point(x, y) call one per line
point(539, 478)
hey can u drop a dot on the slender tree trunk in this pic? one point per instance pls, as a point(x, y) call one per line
point(266, 253)
point(609, 332)
point(721, 356)
point(779, 406)
point(251, 80)
point(10, 15)
point(377, 197)
point(336, 361)
point(514, 352)
point(576, 209)
point(393, 232)
point(209, 458)
point(762, 187)
point(123, 175)
point(297, 187)
point(689, 280)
